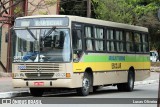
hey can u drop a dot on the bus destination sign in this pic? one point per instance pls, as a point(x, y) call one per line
point(38, 22)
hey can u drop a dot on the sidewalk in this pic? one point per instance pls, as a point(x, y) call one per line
point(6, 85)
point(6, 89)
point(154, 78)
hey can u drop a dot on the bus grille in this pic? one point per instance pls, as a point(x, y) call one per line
point(35, 76)
point(42, 67)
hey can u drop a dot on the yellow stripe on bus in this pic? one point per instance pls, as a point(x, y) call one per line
point(108, 66)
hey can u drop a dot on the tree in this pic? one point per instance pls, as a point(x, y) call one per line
point(113, 10)
point(75, 7)
point(18, 7)
point(42, 6)
point(146, 15)
point(136, 12)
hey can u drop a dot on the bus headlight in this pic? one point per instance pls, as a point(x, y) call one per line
point(18, 75)
point(62, 75)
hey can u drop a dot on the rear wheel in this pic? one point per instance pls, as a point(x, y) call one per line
point(121, 87)
point(86, 85)
point(129, 85)
point(37, 92)
point(95, 88)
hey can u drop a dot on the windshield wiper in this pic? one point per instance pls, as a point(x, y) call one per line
point(49, 32)
point(31, 33)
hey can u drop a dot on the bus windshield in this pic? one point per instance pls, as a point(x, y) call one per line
point(41, 45)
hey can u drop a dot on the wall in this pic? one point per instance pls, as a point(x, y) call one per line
point(37, 7)
point(4, 45)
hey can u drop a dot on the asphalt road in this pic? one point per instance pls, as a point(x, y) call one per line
point(140, 91)
point(106, 97)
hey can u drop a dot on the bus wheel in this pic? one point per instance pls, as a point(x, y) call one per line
point(86, 85)
point(121, 87)
point(129, 85)
point(37, 92)
point(95, 88)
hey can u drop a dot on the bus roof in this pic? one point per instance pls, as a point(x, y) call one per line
point(93, 21)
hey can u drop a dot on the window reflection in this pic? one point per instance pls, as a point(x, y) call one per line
point(47, 45)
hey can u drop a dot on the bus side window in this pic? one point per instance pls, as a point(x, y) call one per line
point(119, 41)
point(145, 43)
point(89, 39)
point(110, 41)
point(129, 42)
point(138, 42)
point(77, 44)
point(76, 39)
point(99, 37)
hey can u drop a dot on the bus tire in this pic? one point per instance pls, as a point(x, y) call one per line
point(36, 92)
point(129, 85)
point(95, 88)
point(86, 85)
point(120, 87)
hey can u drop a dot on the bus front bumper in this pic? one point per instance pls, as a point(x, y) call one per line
point(58, 83)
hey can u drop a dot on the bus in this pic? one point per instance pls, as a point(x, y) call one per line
point(72, 52)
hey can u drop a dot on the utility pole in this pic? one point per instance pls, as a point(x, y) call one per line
point(58, 7)
point(159, 14)
point(158, 102)
point(25, 7)
point(9, 37)
point(88, 8)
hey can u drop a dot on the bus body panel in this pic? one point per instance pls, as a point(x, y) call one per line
point(74, 82)
point(48, 73)
point(107, 68)
point(100, 79)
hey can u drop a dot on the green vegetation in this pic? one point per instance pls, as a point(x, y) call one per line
point(73, 7)
point(113, 10)
point(136, 12)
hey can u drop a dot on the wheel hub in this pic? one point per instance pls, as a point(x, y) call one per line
point(85, 84)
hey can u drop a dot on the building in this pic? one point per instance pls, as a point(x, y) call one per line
point(20, 8)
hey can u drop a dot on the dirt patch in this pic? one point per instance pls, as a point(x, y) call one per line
point(155, 64)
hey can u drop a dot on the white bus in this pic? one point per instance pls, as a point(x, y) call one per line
point(60, 51)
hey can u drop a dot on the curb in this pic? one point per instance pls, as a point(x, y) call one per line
point(154, 69)
point(146, 82)
point(14, 94)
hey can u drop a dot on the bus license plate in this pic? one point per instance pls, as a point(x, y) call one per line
point(38, 83)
